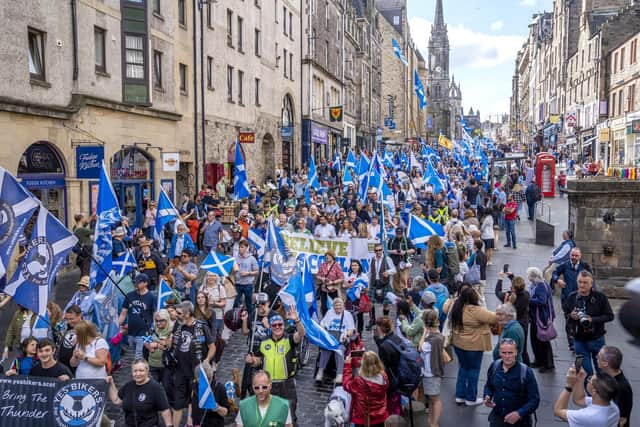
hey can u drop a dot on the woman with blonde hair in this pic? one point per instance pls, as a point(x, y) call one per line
point(368, 391)
point(435, 256)
point(163, 327)
point(91, 352)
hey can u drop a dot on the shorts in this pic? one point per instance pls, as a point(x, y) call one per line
point(431, 385)
point(182, 391)
point(488, 244)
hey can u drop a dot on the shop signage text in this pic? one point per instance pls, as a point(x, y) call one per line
point(247, 137)
point(88, 161)
point(319, 134)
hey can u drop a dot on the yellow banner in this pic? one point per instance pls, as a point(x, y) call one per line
point(445, 142)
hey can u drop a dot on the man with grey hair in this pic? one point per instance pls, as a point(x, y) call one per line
point(609, 362)
point(511, 328)
point(192, 343)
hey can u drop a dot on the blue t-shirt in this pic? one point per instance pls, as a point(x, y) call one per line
point(140, 312)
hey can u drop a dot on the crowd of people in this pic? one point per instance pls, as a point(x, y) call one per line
point(423, 306)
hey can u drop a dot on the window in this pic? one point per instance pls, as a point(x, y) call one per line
point(290, 25)
point(291, 66)
point(229, 28)
point(156, 7)
point(99, 43)
point(285, 62)
point(634, 52)
point(326, 14)
point(134, 57)
point(615, 62)
point(284, 20)
point(631, 97)
point(622, 59)
point(182, 69)
point(209, 16)
point(620, 104)
point(229, 83)
point(275, 10)
point(36, 54)
point(209, 72)
point(326, 54)
point(277, 55)
point(181, 13)
point(256, 42)
point(240, 80)
point(240, 20)
point(157, 69)
point(257, 94)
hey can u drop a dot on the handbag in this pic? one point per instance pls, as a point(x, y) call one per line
point(473, 275)
point(364, 306)
point(546, 332)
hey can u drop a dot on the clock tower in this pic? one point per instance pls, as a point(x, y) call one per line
point(439, 103)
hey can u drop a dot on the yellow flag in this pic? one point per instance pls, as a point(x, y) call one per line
point(445, 142)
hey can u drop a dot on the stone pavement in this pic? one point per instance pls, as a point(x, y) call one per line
point(312, 398)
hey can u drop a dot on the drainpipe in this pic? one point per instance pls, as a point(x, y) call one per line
point(195, 101)
point(74, 30)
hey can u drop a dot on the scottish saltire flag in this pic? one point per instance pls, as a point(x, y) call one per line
point(397, 50)
point(16, 208)
point(419, 88)
point(363, 166)
point(351, 160)
point(164, 293)
point(50, 243)
point(105, 309)
point(419, 231)
point(41, 327)
point(240, 181)
point(257, 238)
point(347, 178)
point(124, 264)
point(308, 289)
point(387, 159)
point(354, 292)
point(435, 181)
point(218, 264)
point(274, 242)
point(312, 180)
point(292, 295)
point(108, 215)
point(206, 399)
point(403, 160)
point(451, 195)
point(165, 213)
point(413, 162)
point(337, 162)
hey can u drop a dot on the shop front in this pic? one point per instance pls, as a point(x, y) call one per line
point(41, 169)
point(132, 179)
point(618, 142)
point(315, 141)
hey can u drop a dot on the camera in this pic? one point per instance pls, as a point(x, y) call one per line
point(584, 319)
point(402, 265)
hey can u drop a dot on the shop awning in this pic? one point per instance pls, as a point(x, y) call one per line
point(588, 140)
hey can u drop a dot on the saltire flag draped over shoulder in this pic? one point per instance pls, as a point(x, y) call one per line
point(105, 308)
point(166, 212)
point(206, 398)
point(48, 247)
point(397, 50)
point(419, 88)
point(107, 216)
point(240, 182)
point(124, 264)
point(16, 208)
point(164, 293)
point(218, 264)
point(419, 230)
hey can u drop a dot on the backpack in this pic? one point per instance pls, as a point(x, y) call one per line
point(523, 376)
point(451, 260)
point(409, 374)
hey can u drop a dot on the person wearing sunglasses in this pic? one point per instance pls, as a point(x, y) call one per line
point(278, 357)
point(263, 408)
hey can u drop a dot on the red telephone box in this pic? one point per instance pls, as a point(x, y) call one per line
point(545, 173)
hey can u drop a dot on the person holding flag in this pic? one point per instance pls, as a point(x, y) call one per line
point(211, 404)
point(138, 307)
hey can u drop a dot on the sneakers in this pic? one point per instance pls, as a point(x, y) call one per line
point(338, 378)
point(459, 401)
point(476, 402)
point(507, 245)
point(320, 375)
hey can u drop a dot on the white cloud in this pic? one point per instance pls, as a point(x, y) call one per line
point(469, 48)
point(528, 2)
point(497, 25)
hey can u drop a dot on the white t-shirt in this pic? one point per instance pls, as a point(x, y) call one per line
point(215, 293)
point(426, 359)
point(331, 322)
point(263, 412)
point(25, 331)
point(87, 370)
point(594, 415)
point(326, 231)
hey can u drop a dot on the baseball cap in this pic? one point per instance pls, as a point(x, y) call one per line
point(142, 277)
point(276, 318)
point(428, 298)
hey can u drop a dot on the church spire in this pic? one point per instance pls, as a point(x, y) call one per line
point(438, 20)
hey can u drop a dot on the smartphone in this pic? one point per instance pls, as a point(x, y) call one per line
point(357, 353)
point(578, 363)
point(505, 268)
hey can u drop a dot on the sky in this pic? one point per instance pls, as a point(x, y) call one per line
point(484, 38)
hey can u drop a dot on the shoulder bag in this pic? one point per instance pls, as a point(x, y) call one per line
point(545, 332)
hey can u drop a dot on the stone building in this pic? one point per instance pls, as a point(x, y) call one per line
point(323, 49)
point(252, 85)
point(86, 81)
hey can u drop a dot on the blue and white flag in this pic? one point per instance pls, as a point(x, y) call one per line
point(257, 238)
point(165, 213)
point(419, 88)
point(413, 162)
point(337, 162)
point(50, 243)
point(164, 293)
point(105, 309)
point(206, 399)
point(347, 178)
point(124, 264)
point(397, 50)
point(308, 289)
point(293, 295)
point(363, 166)
point(218, 264)
point(107, 216)
point(351, 160)
point(274, 243)
point(240, 181)
point(419, 231)
point(312, 180)
point(354, 292)
point(41, 327)
point(16, 208)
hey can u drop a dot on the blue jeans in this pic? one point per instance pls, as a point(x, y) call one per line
point(589, 349)
point(469, 363)
point(247, 291)
point(532, 210)
point(137, 344)
point(510, 226)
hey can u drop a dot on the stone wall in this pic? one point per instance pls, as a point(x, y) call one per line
point(604, 214)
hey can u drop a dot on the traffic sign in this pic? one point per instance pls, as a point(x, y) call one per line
point(570, 119)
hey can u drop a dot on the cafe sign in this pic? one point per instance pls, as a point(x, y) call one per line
point(170, 162)
point(89, 161)
point(247, 137)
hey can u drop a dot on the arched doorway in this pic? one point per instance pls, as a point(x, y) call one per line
point(287, 133)
point(132, 179)
point(41, 169)
point(269, 154)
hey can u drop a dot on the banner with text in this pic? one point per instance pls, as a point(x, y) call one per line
point(47, 402)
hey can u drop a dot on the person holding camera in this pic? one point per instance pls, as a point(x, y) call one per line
point(400, 248)
point(150, 263)
point(587, 310)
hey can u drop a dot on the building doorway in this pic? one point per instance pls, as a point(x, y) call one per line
point(132, 179)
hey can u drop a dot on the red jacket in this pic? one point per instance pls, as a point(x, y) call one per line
point(366, 396)
point(513, 206)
